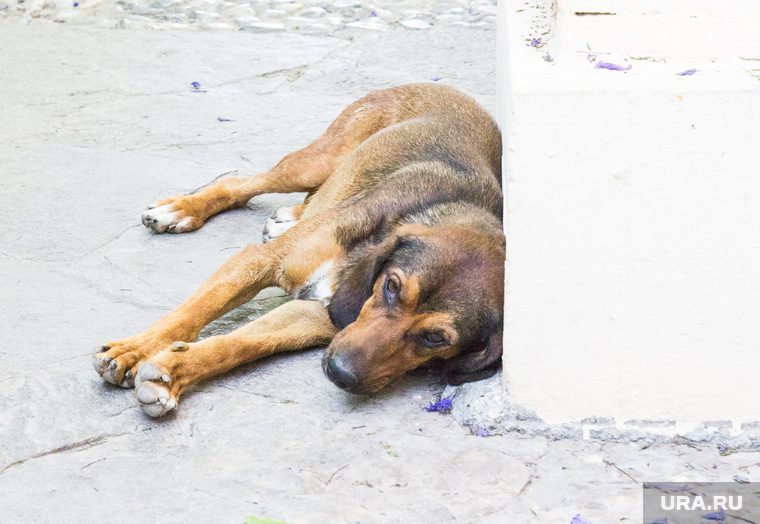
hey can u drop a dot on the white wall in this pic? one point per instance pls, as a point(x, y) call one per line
point(632, 213)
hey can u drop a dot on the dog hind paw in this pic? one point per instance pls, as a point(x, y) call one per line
point(280, 221)
point(173, 217)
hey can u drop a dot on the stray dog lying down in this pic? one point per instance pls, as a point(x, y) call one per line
point(395, 259)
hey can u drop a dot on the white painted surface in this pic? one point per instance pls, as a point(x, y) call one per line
point(633, 216)
point(663, 28)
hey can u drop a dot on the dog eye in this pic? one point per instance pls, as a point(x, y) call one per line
point(392, 287)
point(434, 338)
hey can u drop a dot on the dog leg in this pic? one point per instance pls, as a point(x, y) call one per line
point(298, 172)
point(302, 171)
point(295, 325)
point(237, 281)
point(286, 263)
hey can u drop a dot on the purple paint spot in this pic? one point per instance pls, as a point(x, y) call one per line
point(612, 67)
point(442, 406)
point(535, 42)
point(718, 515)
point(688, 72)
point(294, 470)
point(223, 119)
point(435, 79)
point(373, 15)
point(196, 85)
point(579, 520)
point(663, 520)
point(76, 4)
point(482, 432)
point(548, 58)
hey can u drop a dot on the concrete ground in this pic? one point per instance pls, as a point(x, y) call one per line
point(95, 124)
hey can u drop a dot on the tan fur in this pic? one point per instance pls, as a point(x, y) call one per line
point(371, 137)
point(295, 325)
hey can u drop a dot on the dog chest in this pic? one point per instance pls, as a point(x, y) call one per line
point(319, 286)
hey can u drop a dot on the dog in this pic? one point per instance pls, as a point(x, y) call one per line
point(395, 259)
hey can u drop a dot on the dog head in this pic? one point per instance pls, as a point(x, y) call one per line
point(423, 294)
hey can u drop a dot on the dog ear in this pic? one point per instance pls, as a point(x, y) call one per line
point(483, 361)
point(356, 283)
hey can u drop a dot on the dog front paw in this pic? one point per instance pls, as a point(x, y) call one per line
point(158, 383)
point(118, 362)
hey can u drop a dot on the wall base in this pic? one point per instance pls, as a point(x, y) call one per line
point(484, 408)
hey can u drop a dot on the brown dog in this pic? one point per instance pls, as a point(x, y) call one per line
point(395, 258)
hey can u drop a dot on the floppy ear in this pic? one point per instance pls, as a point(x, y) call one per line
point(480, 363)
point(356, 283)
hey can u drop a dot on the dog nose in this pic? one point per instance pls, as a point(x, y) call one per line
point(339, 372)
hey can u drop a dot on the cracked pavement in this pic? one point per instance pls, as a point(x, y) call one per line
point(97, 123)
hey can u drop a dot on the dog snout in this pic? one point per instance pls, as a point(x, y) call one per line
point(339, 371)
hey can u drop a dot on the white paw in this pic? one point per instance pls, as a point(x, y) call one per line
point(166, 218)
point(282, 220)
point(151, 391)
